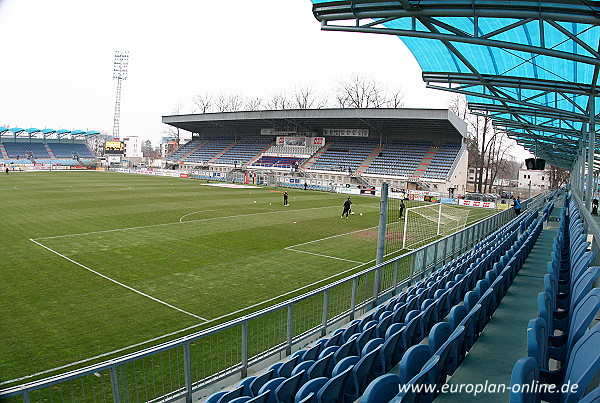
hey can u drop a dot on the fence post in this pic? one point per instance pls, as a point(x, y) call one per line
point(290, 333)
point(383, 206)
point(353, 297)
point(114, 382)
point(245, 348)
point(377, 285)
point(396, 269)
point(187, 369)
point(325, 312)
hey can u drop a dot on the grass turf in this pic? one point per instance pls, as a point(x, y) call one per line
point(206, 250)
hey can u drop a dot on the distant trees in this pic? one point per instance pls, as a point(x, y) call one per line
point(488, 147)
point(558, 176)
point(358, 91)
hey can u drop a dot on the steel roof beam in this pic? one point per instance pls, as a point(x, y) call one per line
point(512, 82)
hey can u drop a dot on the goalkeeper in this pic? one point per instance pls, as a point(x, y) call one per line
point(347, 207)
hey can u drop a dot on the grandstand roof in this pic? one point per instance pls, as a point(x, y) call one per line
point(390, 122)
point(33, 132)
point(532, 66)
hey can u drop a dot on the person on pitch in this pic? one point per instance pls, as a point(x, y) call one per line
point(347, 207)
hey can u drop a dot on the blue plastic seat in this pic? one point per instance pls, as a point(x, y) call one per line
point(537, 341)
point(285, 369)
point(303, 367)
point(321, 367)
point(471, 334)
point(263, 398)
point(332, 391)
point(392, 349)
point(366, 335)
point(410, 394)
point(362, 374)
point(215, 397)
point(592, 397)
point(270, 386)
point(310, 387)
point(382, 389)
point(259, 381)
point(287, 390)
point(346, 350)
point(457, 314)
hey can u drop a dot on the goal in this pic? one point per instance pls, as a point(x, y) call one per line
point(424, 224)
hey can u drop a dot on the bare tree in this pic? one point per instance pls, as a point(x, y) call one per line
point(488, 147)
point(396, 99)
point(279, 100)
point(204, 102)
point(253, 104)
point(558, 176)
point(360, 91)
point(229, 102)
point(306, 98)
point(170, 131)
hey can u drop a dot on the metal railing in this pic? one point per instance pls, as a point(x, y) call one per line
point(177, 369)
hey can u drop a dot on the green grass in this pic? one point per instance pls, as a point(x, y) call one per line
point(212, 252)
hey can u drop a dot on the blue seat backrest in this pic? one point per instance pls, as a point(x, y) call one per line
point(584, 363)
point(537, 341)
point(309, 387)
point(382, 389)
point(412, 362)
point(440, 332)
point(332, 391)
point(457, 314)
point(287, 390)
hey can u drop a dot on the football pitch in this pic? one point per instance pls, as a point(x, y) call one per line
point(97, 264)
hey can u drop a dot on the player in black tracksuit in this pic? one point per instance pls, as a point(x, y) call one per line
point(347, 207)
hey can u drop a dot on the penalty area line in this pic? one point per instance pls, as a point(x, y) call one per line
point(119, 283)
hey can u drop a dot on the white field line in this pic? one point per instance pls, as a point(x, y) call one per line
point(183, 222)
point(292, 248)
point(318, 254)
point(195, 212)
point(119, 283)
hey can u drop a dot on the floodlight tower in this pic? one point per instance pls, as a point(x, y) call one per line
point(119, 74)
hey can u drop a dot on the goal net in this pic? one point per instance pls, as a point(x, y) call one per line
point(424, 224)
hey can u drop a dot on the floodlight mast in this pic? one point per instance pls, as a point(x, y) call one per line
point(119, 74)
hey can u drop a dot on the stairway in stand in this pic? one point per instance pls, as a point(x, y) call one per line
point(426, 161)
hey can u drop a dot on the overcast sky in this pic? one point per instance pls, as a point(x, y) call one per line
point(57, 59)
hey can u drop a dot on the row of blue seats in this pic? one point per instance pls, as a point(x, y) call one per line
point(425, 368)
point(339, 368)
point(560, 334)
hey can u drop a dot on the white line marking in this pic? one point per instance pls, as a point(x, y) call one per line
point(184, 222)
point(195, 212)
point(333, 236)
point(118, 283)
point(318, 254)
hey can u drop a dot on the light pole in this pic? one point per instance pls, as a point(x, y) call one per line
point(119, 74)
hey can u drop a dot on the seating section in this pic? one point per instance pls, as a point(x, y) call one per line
point(399, 158)
point(561, 347)
point(18, 150)
point(208, 150)
point(345, 155)
point(370, 358)
point(69, 150)
point(293, 150)
point(178, 154)
point(243, 151)
point(440, 165)
point(278, 162)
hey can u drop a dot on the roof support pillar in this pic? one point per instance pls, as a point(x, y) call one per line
point(591, 148)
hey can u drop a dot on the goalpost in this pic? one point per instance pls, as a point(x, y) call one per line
point(423, 224)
